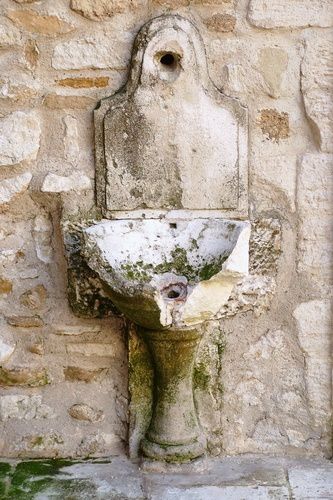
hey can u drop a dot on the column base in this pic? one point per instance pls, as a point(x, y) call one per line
point(173, 453)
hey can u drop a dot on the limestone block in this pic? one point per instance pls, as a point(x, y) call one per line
point(31, 21)
point(75, 330)
point(57, 101)
point(276, 173)
point(223, 23)
point(22, 376)
point(22, 407)
point(287, 14)
point(314, 332)
point(99, 9)
point(81, 374)
point(6, 350)
point(9, 35)
point(35, 297)
point(91, 349)
point(84, 82)
point(25, 321)
point(273, 63)
point(19, 88)
point(96, 52)
point(317, 86)
point(19, 137)
point(10, 188)
point(42, 234)
point(85, 412)
point(315, 204)
point(71, 146)
point(54, 183)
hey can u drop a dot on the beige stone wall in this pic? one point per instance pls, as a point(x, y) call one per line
point(263, 376)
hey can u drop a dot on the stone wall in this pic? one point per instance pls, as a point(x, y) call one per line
point(263, 375)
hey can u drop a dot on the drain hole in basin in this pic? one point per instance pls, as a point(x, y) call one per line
point(175, 292)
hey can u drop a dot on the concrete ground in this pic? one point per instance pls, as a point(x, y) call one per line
point(244, 477)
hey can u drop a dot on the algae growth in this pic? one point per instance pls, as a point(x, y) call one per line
point(178, 264)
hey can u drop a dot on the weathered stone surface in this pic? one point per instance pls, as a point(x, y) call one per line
point(37, 348)
point(95, 52)
point(19, 89)
point(76, 373)
point(25, 321)
point(56, 101)
point(36, 23)
point(254, 293)
point(9, 36)
point(10, 188)
point(54, 183)
point(75, 330)
point(276, 173)
point(317, 86)
point(274, 125)
point(99, 9)
point(6, 286)
point(34, 298)
point(91, 349)
point(314, 332)
point(31, 53)
point(286, 14)
point(71, 145)
point(265, 246)
point(315, 204)
point(23, 376)
point(22, 407)
point(85, 412)
point(6, 350)
point(273, 63)
point(311, 481)
point(84, 82)
point(25, 1)
point(20, 134)
point(42, 234)
point(223, 23)
point(156, 171)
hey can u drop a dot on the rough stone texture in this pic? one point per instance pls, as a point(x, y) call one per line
point(42, 234)
point(82, 411)
point(54, 183)
point(314, 332)
point(36, 23)
point(315, 202)
point(261, 375)
point(96, 52)
point(317, 86)
point(9, 36)
point(20, 134)
point(99, 9)
point(24, 407)
point(10, 188)
point(285, 14)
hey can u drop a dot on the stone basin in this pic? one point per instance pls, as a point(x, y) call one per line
point(168, 274)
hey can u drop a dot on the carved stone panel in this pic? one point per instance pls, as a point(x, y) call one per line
point(170, 140)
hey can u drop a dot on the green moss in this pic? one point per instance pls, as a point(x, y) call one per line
point(201, 377)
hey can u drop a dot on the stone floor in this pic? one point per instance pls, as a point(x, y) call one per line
point(233, 478)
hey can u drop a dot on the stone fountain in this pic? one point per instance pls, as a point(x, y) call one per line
point(171, 185)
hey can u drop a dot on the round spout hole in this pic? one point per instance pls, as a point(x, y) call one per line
point(173, 294)
point(168, 59)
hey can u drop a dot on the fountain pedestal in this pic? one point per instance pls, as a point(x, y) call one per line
point(174, 433)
